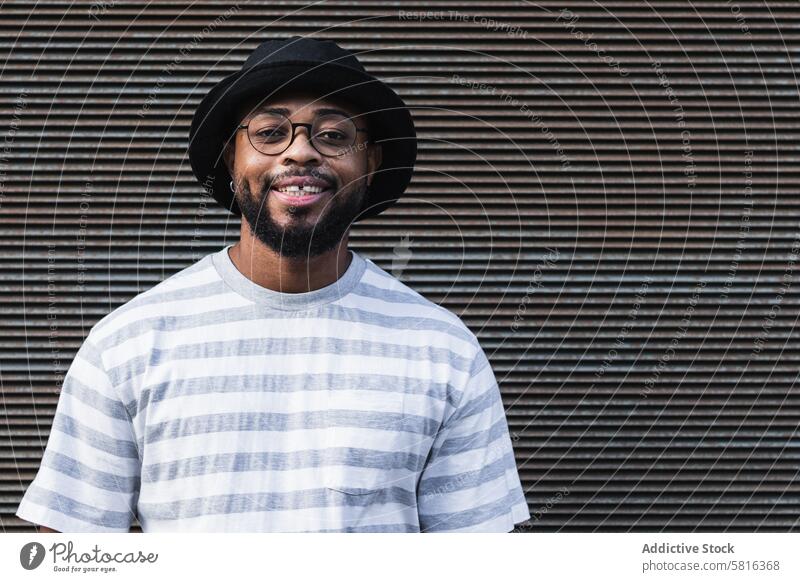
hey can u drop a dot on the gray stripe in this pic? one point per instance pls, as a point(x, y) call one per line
point(120, 448)
point(479, 363)
point(378, 496)
point(477, 405)
point(100, 479)
point(456, 445)
point(156, 294)
point(276, 421)
point(393, 296)
point(486, 512)
point(279, 461)
point(80, 391)
point(290, 383)
point(156, 297)
point(80, 511)
point(312, 346)
point(249, 313)
point(90, 353)
point(383, 528)
point(435, 486)
point(241, 503)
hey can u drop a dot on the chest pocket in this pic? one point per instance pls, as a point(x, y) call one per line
point(370, 443)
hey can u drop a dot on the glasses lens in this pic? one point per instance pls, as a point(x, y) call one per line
point(269, 133)
point(333, 134)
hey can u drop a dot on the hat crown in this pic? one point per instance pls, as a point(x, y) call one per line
point(300, 48)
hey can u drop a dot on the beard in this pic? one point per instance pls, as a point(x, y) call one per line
point(297, 239)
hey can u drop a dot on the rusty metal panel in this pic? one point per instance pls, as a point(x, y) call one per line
point(606, 194)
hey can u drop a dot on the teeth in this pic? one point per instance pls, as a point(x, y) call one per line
point(298, 191)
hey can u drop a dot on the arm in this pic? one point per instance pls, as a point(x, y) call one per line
point(470, 481)
point(89, 476)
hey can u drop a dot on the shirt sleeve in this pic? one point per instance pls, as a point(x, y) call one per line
point(470, 481)
point(89, 477)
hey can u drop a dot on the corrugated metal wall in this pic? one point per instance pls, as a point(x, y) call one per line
point(607, 194)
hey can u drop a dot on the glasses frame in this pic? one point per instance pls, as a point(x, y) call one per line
point(346, 150)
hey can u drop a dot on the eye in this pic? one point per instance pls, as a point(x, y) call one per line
point(332, 135)
point(271, 133)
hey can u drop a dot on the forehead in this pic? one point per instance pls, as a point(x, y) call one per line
point(296, 102)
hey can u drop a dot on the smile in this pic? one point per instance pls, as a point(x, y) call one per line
point(300, 196)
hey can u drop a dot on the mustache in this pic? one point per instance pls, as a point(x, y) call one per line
point(312, 174)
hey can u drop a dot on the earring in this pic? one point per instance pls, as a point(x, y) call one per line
point(233, 188)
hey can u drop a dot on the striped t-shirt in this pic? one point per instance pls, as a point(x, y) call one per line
point(209, 403)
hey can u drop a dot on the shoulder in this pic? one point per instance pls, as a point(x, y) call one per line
point(166, 299)
point(394, 296)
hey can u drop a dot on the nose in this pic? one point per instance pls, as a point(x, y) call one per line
point(301, 150)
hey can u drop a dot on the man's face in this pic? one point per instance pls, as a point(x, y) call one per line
point(290, 227)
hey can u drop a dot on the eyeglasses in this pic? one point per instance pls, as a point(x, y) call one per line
point(331, 135)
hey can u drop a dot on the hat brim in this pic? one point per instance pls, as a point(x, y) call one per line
point(390, 121)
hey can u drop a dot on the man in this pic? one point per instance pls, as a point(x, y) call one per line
point(285, 382)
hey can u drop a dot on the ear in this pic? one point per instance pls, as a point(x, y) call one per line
point(374, 159)
point(229, 153)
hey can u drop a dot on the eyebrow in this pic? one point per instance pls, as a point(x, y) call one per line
point(285, 111)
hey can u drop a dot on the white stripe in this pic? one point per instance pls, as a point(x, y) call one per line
point(295, 402)
point(469, 460)
point(176, 308)
point(94, 420)
point(297, 520)
point(280, 365)
point(89, 375)
point(248, 482)
point(81, 491)
point(452, 500)
point(93, 458)
point(393, 309)
point(500, 524)
point(41, 515)
point(167, 450)
point(282, 328)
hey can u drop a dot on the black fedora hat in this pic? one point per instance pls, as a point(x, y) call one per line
point(321, 66)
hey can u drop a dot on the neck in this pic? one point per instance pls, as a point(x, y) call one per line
point(265, 267)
